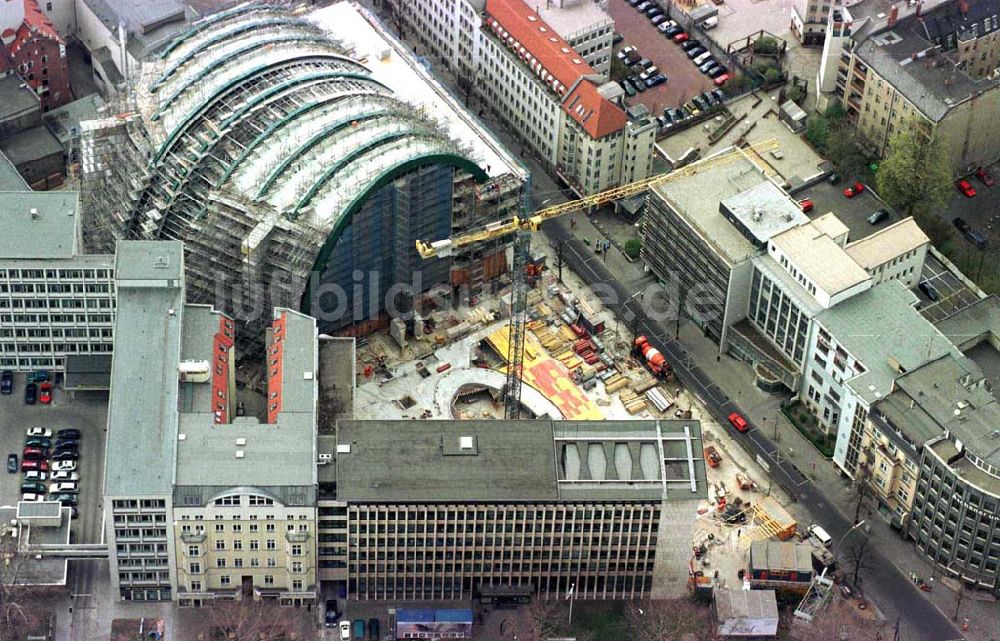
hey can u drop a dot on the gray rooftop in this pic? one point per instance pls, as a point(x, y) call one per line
point(47, 570)
point(572, 18)
point(31, 144)
point(781, 555)
point(933, 84)
point(881, 328)
point(142, 414)
point(87, 371)
point(10, 178)
point(150, 22)
point(397, 461)
point(50, 232)
point(746, 613)
point(61, 121)
point(16, 98)
point(974, 323)
point(273, 455)
point(697, 198)
point(764, 211)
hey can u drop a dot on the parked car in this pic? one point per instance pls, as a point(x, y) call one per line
point(30, 393)
point(624, 51)
point(331, 615)
point(740, 423)
point(984, 177)
point(709, 98)
point(32, 497)
point(854, 190)
point(681, 37)
point(359, 628)
point(666, 24)
point(6, 382)
point(694, 52)
point(968, 190)
point(716, 72)
point(66, 499)
point(721, 79)
point(710, 23)
point(878, 216)
point(708, 64)
point(38, 377)
point(635, 3)
point(38, 431)
point(38, 441)
point(63, 466)
point(34, 475)
point(806, 205)
point(690, 44)
point(702, 57)
point(928, 290)
point(649, 72)
point(33, 486)
point(640, 86)
point(345, 630)
point(658, 79)
point(67, 444)
point(35, 453)
point(12, 463)
point(658, 20)
point(974, 237)
point(960, 224)
point(373, 632)
point(45, 393)
point(68, 433)
point(642, 6)
point(720, 95)
point(701, 104)
point(66, 455)
point(673, 31)
point(617, 38)
point(34, 464)
point(63, 487)
point(654, 12)
point(65, 476)
point(628, 87)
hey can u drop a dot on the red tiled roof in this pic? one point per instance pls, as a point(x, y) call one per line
point(555, 62)
point(35, 23)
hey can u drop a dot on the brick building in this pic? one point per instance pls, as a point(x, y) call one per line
point(31, 48)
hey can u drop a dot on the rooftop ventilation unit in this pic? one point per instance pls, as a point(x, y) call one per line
point(240, 453)
point(466, 442)
point(241, 442)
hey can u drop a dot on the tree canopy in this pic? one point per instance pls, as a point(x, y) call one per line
point(916, 174)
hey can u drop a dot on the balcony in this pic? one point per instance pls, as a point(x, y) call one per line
point(193, 537)
point(296, 537)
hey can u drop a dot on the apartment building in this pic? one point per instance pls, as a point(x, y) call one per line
point(204, 504)
point(55, 301)
point(809, 21)
point(31, 47)
point(525, 508)
point(547, 81)
point(929, 64)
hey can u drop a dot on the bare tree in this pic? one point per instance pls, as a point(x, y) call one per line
point(543, 618)
point(671, 620)
point(466, 79)
point(857, 555)
point(23, 607)
point(862, 487)
point(247, 620)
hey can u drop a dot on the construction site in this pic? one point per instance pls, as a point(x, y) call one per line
point(299, 157)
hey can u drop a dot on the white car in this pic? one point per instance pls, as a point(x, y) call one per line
point(63, 488)
point(58, 476)
point(39, 431)
point(35, 475)
point(345, 630)
point(31, 497)
point(63, 466)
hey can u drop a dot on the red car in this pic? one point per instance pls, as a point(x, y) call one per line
point(32, 465)
point(807, 206)
point(36, 453)
point(45, 394)
point(853, 190)
point(721, 80)
point(681, 37)
point(984, 177)
point(739, 422)
point(967, 189)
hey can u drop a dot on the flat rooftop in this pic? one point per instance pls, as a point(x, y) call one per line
point(887, 243)
point(781, 555)
point(142, 414)
point(16, 97)
point(820, 258)
point(881, 328)
point(10, 178)
point(571, 18)
point(405, 461)
point(696, 198)
point(46, 570)
point(933, 82)
point(62, 121)
point(38, 224)
point(30, 145)
point(976, 322)
point(764, 211)
point(413, 83)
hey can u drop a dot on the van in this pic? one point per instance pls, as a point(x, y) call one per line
point(820, 535)
point(702, 57)
point(710, 23)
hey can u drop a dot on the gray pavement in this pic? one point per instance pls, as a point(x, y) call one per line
point(852, 211)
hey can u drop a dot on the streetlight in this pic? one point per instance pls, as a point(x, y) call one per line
point(837, 545)
point(570, 595)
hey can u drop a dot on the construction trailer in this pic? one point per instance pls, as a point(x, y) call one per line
point(781, 565)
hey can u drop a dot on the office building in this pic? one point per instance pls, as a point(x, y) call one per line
point(524, 508)
point(55, 301)
point(203, 504)
point(931, 64)
point(31, 48)
point(345, 169)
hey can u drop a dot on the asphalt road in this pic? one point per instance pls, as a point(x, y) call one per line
point(888, 587)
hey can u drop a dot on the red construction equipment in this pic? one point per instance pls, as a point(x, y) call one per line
point(654, 359)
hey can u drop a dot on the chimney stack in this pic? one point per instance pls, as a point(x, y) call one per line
point(893, 15)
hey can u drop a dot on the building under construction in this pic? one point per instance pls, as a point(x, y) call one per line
point(298, 157)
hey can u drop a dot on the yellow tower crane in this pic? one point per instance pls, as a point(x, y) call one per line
point(523, 227)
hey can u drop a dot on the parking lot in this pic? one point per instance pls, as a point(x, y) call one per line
point(684, 79)
point(87, 415)
point(982, 211)
point(952, 295)
point(853, 211)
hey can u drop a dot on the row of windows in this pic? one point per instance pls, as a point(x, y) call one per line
point(527, 566)
point(90, 318)
point(39, 274)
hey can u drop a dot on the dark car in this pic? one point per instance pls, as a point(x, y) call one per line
point(373, 629)
point(700, 103)
point(974, 237)
point(694, 52)
point(640, 85)
point(66, 455)
point(67, 444)
point(658, 79)
point(12, 463)
point(653, 12)
point(878, 216)
point(658, 19)
point(960, 224)
point(69, 433)
point(716, 72)
point(38, 441)
point(68, 500)
point(709, 98)
point(331, 615)
point(672, 31)
point(359, 628)
point(6, 382)
point(928, 290)
point(690, 44)
point(833, 178)
point(720, 95)
point(32, 487)
point(628, 87)
point(617, 38)
point(30, 393)
point(708, 64)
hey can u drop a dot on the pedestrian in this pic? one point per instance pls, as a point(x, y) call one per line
point(718, 358)
point(738, 531)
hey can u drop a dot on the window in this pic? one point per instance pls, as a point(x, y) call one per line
point(195, 586)
point(254, 544)
point(193, 550)
point(220, 563)
point(296, 566)
point(220, 527)
point(268, 579)
point(237, 527)
point(220, 545)
point(297, 586)
point(194, 568)
point(225, 580)
point(270, 527)
point(238, 544)
point(237, 562)
point(270, 544)
point(271, 563)
point(296, 550)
